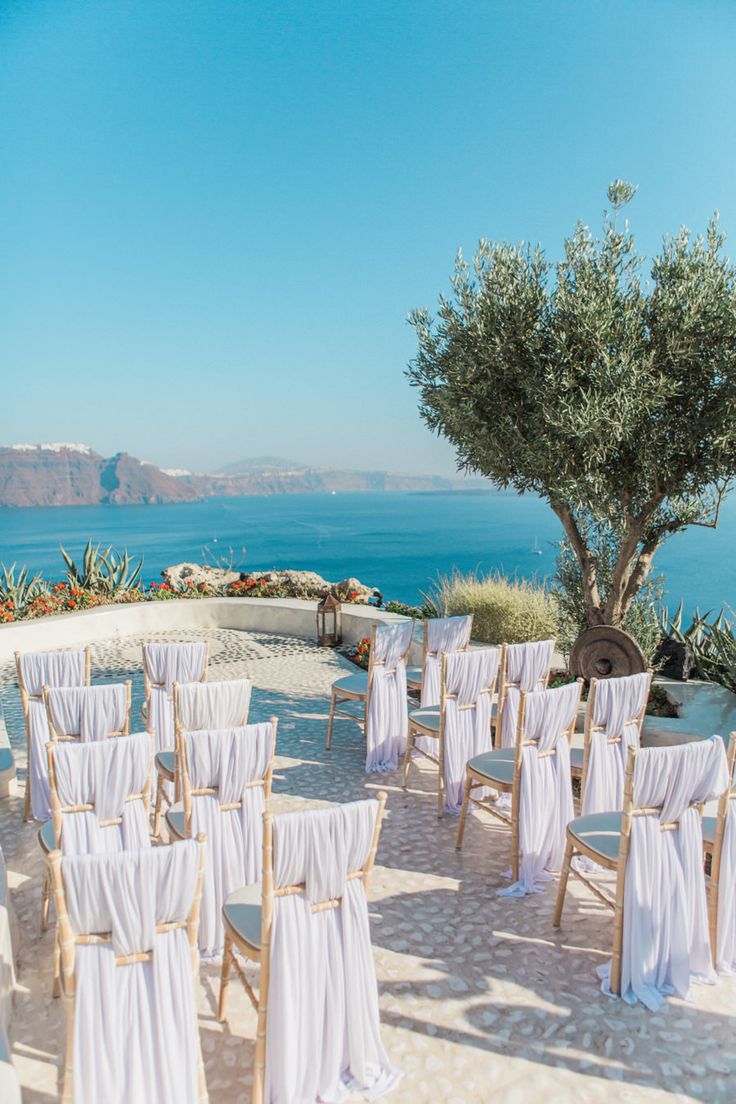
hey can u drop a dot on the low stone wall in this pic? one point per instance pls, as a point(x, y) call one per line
point(286, 616)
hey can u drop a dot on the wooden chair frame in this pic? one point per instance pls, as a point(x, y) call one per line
point(619, 864)
point(188, 793)
point(418, 729)
point(503, 686)
point(474, 780)
point(57, 818)
point(418, 687)
point(715, 850)
point(262, 954)
point(589, 728)
point(68, 941)
point(25, 698)
point(340, 696)
point(60, 736)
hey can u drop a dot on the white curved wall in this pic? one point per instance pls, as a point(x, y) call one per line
point(287, 616)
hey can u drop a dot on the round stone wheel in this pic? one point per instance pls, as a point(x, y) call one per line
point(605, 652)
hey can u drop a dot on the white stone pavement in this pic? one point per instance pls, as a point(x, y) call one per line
point(481, 998)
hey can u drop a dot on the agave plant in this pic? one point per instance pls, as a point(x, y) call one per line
point(20, 591)
point(713, 644)
point(108, 572)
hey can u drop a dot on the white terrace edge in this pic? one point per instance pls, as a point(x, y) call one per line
point(290, 616)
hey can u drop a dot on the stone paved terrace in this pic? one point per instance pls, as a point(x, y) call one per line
point(481, 999)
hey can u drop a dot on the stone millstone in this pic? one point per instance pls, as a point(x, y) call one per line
point(605, 652)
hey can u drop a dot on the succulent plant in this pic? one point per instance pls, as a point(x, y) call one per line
point(20, 591)
point(712, 642)
point(108, 572)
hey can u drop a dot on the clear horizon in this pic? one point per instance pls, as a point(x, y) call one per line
point(217, 217)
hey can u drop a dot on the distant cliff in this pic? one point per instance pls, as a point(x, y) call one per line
point(74, 475)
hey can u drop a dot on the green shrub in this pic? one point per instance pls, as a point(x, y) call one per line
point(505, 611)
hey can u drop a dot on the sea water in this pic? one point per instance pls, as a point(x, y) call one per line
point(396, 542)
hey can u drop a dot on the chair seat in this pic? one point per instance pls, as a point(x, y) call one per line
point(352, 685)
point(242, 912)
point(598, 832)
point(709, 832)
point(175, 820)
point(496, 766)
point(428, 719)
point(166, 763)
point(46, 837)
point(414, 677)
point(576, 760)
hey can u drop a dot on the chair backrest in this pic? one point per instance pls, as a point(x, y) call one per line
point(467, 684)
point(722, 900)
point(201, 705)
point(88, 712)
point(316, 983)
point(541, 795)
point(128, 933)
point(226, 784)
point(385, 709)
point(441, 634)
point(664, 792)
point(165, 664)
point(39, 669)
point(36, 670)
point(613, 720)
point(524, 667)
point(100, 793)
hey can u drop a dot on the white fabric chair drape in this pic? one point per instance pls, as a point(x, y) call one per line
point(39, 669)
point(545, 796)
point(726, 928)
point(88, 712)
point(203, 705)
point(104, 774)
point(618, 702)
point(665, 936)
point(444, 634)
point(167, 664)
point(387, 721)
point(323, 1031)
point(527, 667)
point(227, 760)
point(135, 1025)
point(469, 681)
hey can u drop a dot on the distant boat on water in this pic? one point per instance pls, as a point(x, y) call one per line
point(536, 550)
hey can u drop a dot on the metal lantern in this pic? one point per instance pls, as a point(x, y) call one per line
point(329, 629)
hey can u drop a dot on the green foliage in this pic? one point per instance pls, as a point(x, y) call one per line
point(642, 620)
point(417, 612)
point(612, 397)
point(505, 611)
point(713, 644)
point(19, 591)
point(106, 572)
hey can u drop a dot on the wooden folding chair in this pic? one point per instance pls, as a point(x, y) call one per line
point(248, 916)
point(355, 688)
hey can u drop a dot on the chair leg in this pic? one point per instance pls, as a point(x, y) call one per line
point(515, 851)
point(157, 809)
point(27, 796)
point(331, 721)
point(45, 902)
point(56, 983)
point(464, 812)
point(562, 888)
point(440, 792)
point(407, 758)
point(227, 956)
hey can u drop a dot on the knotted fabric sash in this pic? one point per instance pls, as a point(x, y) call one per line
point(444, 634)
point(618, 703)
point(469, 681)
point(387, 721)
point(665, 938)
point(323, 1032)
point(39, 669)
point(100, 787)
point(226, 768)
point(527, 667)
point(135, 1024)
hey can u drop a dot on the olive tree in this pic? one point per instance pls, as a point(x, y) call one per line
point(610, 393)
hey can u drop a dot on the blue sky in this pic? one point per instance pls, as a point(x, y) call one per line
point(216, 216)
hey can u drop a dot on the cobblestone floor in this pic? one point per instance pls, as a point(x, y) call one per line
point(480, 997)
